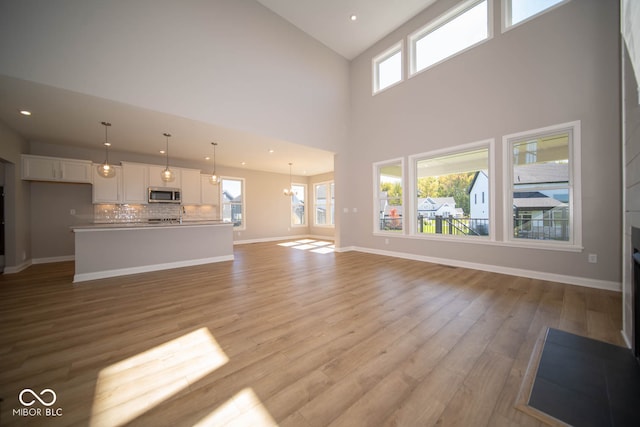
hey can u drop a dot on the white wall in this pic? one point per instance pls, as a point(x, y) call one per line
point(17, 201)
point(232, 63)
point(560, 67)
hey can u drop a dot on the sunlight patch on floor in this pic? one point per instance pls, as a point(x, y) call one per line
point(243, 409)
point(317, 246)
point(131, 387)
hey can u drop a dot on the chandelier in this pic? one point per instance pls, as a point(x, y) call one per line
point(105, 169)
point(167, 174)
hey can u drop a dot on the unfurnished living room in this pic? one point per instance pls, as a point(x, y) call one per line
point(313, 213)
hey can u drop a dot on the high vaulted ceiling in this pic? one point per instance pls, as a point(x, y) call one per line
point(70, 118)
point(329, 21)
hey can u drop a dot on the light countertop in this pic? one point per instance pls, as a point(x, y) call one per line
point(146, 225)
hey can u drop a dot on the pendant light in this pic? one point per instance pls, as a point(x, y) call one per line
point(213, 178)
point(105, 169)
point(167, 174)
point(288, 192)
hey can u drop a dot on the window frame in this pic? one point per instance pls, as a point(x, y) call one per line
point(291, 206)
point(243, 224)
point(441, 21)
point(574, 243)
point(489, 145)
point(328, 203)
point(376, 199)
point(388, 53)
point(506, 14)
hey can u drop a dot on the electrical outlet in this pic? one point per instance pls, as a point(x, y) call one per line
point(592, 258)
point(386, 241)
point(72, 212)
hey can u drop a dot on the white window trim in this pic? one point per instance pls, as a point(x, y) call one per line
point(398, 47)
point(329, 196)
point(376, 190)
point(441, 20)
point(575, 189)
point(306, 206)
point(243, 226)
point(506, 13)
point(412, 208)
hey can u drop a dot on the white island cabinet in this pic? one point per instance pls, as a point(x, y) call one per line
point(109, 250)
point(42, 168)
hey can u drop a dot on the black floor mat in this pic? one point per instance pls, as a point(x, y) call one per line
point(584, 382)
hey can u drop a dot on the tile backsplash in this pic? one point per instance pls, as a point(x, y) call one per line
point(112, 213)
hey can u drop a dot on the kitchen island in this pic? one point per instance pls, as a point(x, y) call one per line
point(117, 249)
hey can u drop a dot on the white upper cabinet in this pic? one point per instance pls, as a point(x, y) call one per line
point(190, 179)
point(135, 182)
point(42, 168)
point(208, 191)
point(107, 190)
point(155, 172)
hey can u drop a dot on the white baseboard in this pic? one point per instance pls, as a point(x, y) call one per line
point(17, 268)
point(83, 277)
point(53, 259)
point(532, 274)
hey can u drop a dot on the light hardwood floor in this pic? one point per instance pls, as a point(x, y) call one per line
point(283, 336)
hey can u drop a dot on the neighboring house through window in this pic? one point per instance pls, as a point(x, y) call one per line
point(543, 187)
point(446, 182)
point(324, 204)
point(298, 212)
point(388, 203)
point(232, 201)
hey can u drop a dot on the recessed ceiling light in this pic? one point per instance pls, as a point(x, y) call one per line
point(243, 163)
point(271, 151)
point(162, 151)
point(354, 17)
point(25, 112)
point(207, 158)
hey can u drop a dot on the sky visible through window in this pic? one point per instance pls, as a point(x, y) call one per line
point(456, 35)
point(390, 70)
point(522, 9)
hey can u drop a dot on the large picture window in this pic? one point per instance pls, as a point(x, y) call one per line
point(543, 186)
point(453, 32)
point(324, 204)
point(453, 192)
point(232, 201)
point(388, 205)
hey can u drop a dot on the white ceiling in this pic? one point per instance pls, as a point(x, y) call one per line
point(73, 119)
point(328, 20)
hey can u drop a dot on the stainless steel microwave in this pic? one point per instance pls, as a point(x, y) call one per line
point(164, 195)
